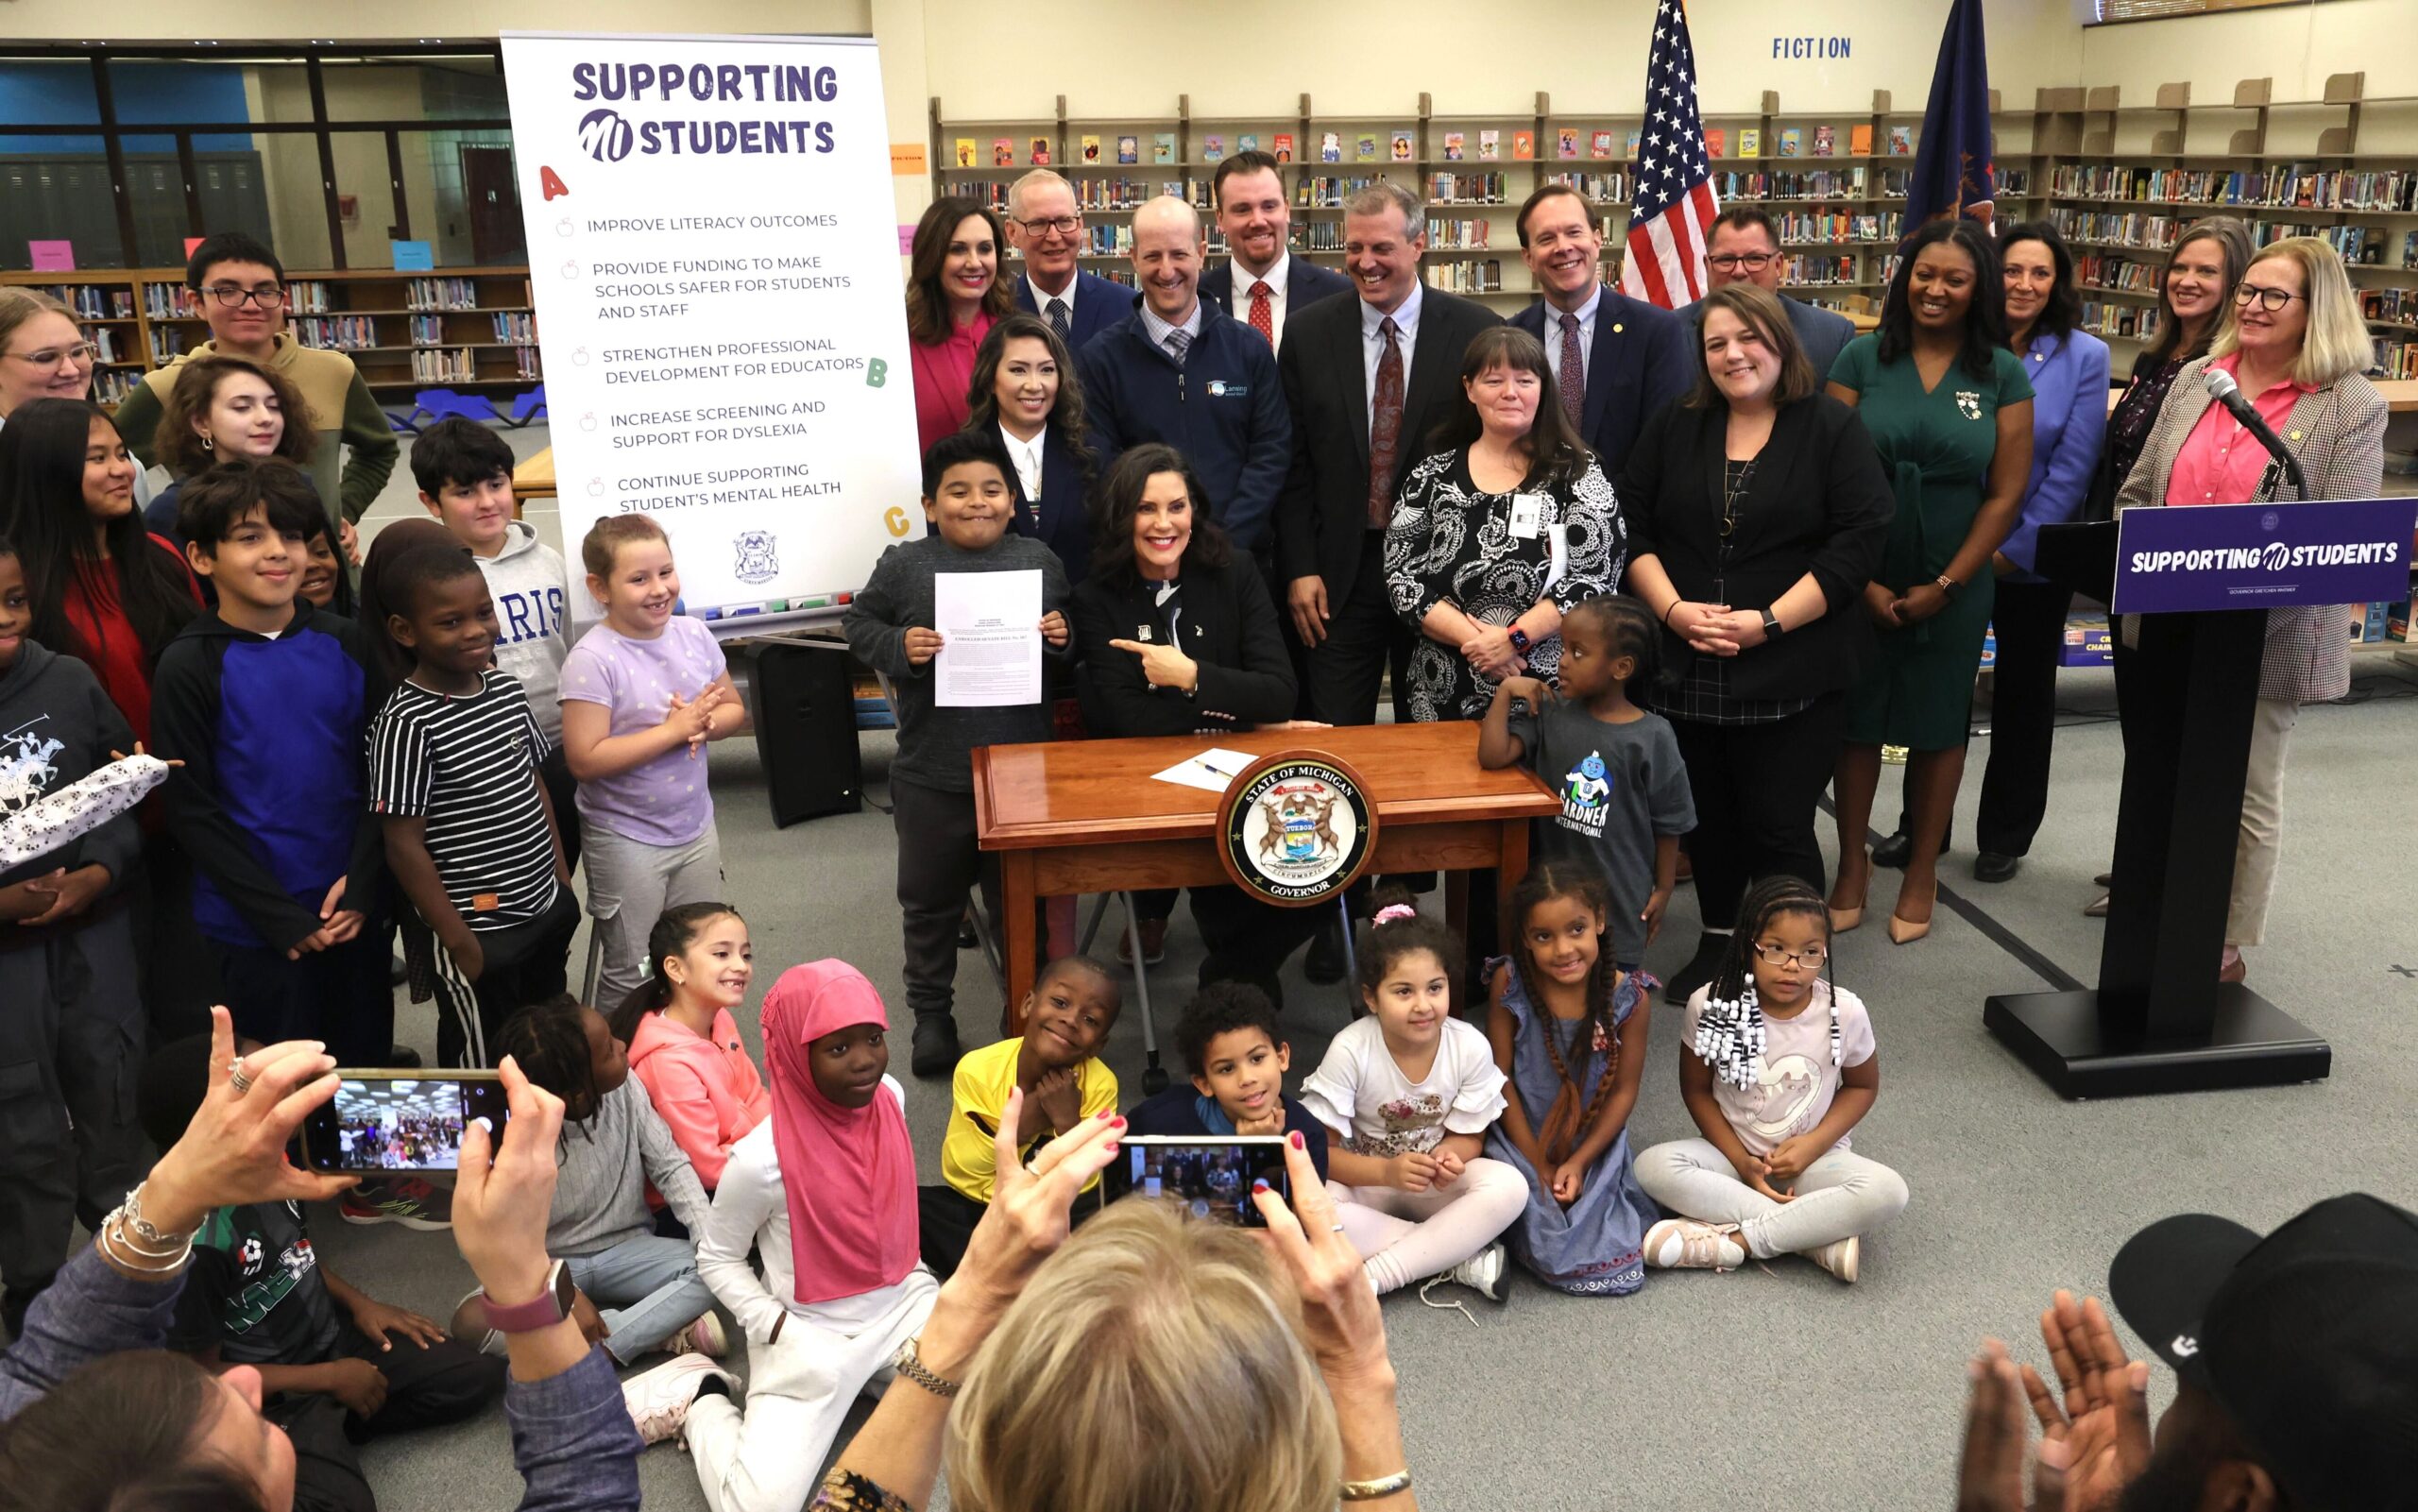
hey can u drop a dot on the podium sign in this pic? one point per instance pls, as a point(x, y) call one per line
point(2186, 558)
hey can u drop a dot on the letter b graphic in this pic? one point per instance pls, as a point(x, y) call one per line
point(876, 372)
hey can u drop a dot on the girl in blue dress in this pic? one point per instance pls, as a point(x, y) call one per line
point(1569, 1029)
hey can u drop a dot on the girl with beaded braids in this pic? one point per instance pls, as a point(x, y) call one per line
point(1569, 1029)
point(1777, 1065)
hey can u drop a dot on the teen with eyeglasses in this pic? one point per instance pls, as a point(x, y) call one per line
point(239, 287)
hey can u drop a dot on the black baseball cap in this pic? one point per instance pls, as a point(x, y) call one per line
point(2308, 1337)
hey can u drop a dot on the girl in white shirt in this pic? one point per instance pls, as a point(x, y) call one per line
point(842, 1287)
point(1408, 1095)
point(1777, 1067)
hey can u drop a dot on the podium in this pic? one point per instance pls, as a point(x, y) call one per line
point(2200, 578)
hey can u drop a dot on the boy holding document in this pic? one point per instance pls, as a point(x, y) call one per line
point(895, 627)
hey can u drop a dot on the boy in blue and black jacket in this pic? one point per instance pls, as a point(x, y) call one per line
point(266, 702)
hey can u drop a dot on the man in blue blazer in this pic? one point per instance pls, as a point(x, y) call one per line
point(1047, 229)
point(1634, 357)
point(1743, 247)
point(1182, 372)
point(1249, 190)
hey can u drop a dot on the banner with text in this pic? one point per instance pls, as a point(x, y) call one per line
point(2262, 556)
point(715, 272)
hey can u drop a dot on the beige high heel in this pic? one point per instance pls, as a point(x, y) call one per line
point(1904, 933)
point(1843, 920)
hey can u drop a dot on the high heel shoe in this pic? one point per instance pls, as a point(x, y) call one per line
point(1904, 933)
point(1843, 920)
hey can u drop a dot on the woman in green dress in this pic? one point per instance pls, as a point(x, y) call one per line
point(1950, 411)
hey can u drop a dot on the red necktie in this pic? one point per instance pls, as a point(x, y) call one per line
point(1574, 370)
point(1385, 429)
point(1262, 320)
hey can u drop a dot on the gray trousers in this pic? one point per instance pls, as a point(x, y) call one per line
point(939, 863)
point(630, 885)
point(71, 1039)
point(1839, 1195)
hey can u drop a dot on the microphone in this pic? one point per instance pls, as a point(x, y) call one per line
point(2222, 388)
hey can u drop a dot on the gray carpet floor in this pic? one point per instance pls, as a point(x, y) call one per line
point(1776, 1383)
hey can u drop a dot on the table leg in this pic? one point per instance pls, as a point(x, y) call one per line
point(1016, 900)
point(1456, 915)
point(1508, 873)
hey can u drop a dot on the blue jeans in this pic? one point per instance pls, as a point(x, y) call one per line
point(646, 1289)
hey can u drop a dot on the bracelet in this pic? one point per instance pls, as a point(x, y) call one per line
point(909, 1362)
point(1667, 613)
point(132, 1210)
point(1371, 1490)
point(125, 1253)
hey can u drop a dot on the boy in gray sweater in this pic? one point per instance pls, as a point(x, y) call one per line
point(889, 627)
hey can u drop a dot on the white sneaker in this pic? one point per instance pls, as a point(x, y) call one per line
point(1482, 1273)
point(658, 1399)
point(1841, 1258)
point(705, 1336)
point(1684, 1243)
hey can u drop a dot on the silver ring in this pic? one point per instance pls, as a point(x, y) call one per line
point(236, 1073)
point(1337, 1229)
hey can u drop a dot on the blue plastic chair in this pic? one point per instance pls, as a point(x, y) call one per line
point(445, 404)
point(527, 408)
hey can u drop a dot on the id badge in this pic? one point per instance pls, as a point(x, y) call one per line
point(1527, 516)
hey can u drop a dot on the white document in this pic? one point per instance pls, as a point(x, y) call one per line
point(990, 625)
point(1211, 770)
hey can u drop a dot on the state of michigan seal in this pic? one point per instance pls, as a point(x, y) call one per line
point(1296, 828)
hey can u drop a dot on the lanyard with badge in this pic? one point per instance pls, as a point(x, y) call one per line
point(1528, 524)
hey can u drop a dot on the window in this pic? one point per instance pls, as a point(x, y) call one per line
point(2115, 10)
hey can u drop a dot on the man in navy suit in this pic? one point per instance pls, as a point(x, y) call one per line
point(1047, 229)
point(1182, 371)
point(1263, 282)
point(1633, 358)
point(1743, 247)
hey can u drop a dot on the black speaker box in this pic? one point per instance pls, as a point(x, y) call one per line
point(805, 708)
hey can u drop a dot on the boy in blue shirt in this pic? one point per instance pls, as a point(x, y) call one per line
point(1234, 1051)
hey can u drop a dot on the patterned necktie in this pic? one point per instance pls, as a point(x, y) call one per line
point(1385, 428)
point(1178, 343)
point(1262, 320)
point(1058, 317)
point(1574, 370)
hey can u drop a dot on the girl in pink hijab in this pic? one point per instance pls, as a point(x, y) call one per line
point(842, 1287)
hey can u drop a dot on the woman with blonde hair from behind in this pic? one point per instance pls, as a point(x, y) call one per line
point(1153, 1363)
point(2293, 342)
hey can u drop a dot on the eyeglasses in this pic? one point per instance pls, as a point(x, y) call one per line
point(2268, 300)
point(55, 358)
point(268, 297)
point(1738, 262)
point(1062, 225)
point(1810, 958)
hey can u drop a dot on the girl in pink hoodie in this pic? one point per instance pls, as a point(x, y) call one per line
point(684, 1045)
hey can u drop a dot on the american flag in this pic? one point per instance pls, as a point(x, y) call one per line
point(1674, 204)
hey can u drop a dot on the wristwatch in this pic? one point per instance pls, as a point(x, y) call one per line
point(1948, 584)
point(909, 1363)
point(1519, 642)
point(549, 1307)
point(1771, 625)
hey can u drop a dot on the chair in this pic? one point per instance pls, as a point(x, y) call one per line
point(436, 404)
point(527, 408)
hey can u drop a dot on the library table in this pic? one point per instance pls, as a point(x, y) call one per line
point(1086, 816)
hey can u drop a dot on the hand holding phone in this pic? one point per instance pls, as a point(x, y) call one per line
point(402, 1120)
point(1210, 1176)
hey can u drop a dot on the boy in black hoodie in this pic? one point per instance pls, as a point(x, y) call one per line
point(266, 702)
point(71, 1020)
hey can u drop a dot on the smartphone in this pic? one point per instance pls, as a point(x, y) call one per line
point(400, 1120)
point(1211, 1176)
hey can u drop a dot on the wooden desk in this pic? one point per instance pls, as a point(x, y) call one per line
point(535, 478)
point(1084, 816)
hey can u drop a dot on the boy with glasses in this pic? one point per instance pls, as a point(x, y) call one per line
point(239, 287)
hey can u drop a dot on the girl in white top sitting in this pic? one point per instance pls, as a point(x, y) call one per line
point(1777, 1066)
point(842, 1287)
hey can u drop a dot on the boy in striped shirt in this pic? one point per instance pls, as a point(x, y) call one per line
point(471, 833)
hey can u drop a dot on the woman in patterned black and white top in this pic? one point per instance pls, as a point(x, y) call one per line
point(1494, 538)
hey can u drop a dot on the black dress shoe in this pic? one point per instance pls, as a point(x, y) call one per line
point(935, 1049)
point(403, 1058)
point(1322, 963)
point(1992, 867)
point(1894, 851)
point(1699, 970)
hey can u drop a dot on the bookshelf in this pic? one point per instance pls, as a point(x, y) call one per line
point(452, 327)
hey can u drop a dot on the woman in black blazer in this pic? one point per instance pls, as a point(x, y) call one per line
point(1757, 510)
point(1025, 394)
point(1175, 635)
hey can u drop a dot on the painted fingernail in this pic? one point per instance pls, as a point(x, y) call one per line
point(1259, 1186)
point(1112, 1146)
point(1108, 1112)
point(1296, 1137)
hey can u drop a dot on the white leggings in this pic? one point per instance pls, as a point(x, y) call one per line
point(1406, 1236)
point(1839, 1195)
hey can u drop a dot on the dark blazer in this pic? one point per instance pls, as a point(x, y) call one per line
point(1641, 361)
point(1222, 408)
point(1305, 284)
point(1058, 518)
point(1099, 303)
point(1228, 626)
point(1818, 503)
point(1323, 512)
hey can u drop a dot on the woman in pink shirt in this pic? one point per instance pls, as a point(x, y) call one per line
point(954, 296)
point(2295, 343)
point(684, 1045)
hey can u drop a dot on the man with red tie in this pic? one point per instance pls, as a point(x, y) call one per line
point(1263, 283)
point(1616, 361)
